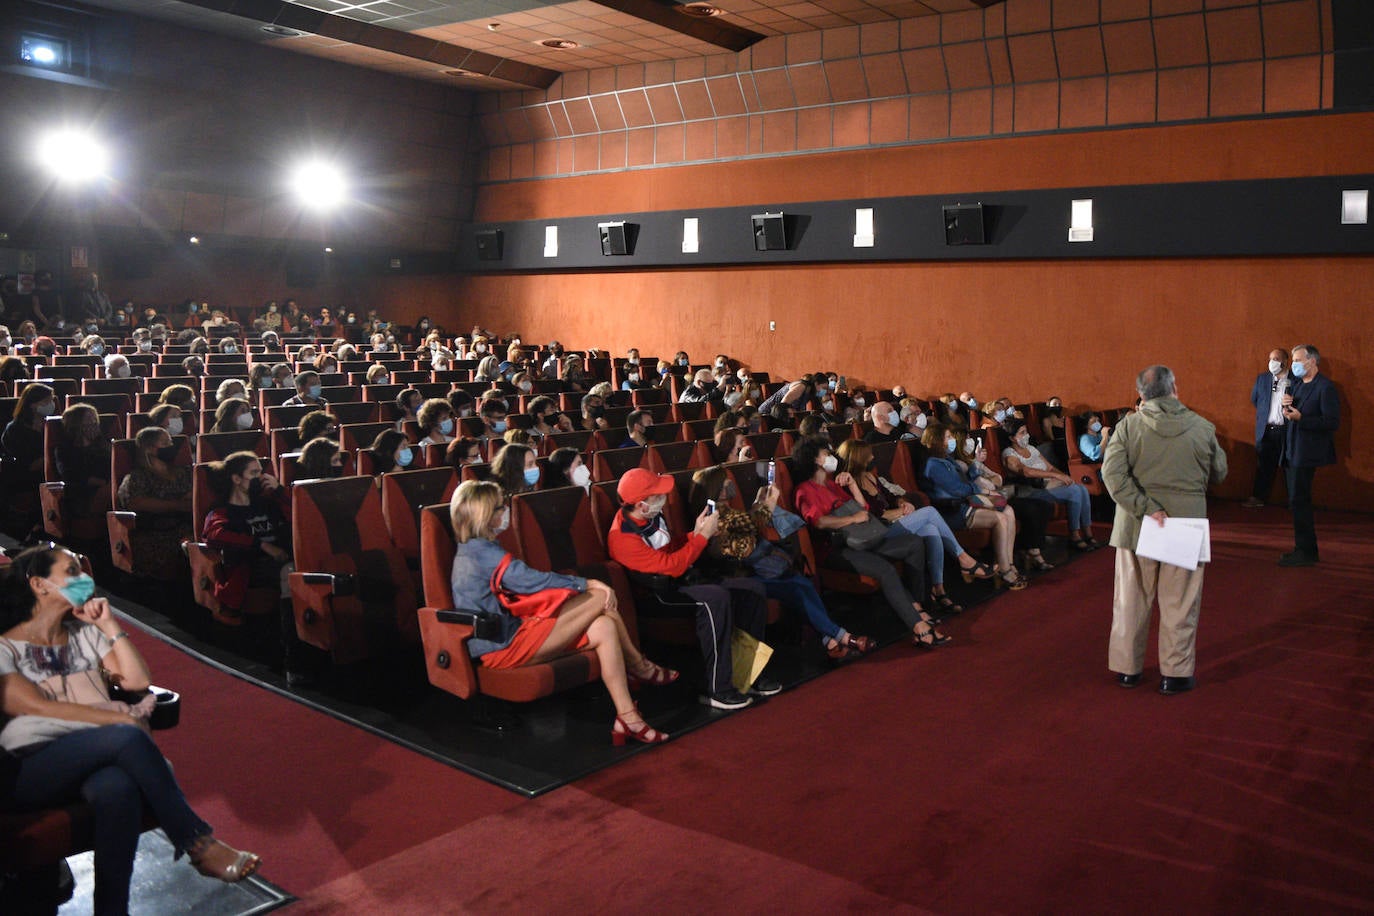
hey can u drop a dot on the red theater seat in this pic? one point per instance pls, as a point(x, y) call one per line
point(207, 564)
point(404, 495)
point(121, 524)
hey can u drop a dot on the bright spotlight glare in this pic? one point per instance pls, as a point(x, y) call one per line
point(73, 155)
point(44, 55)
point(319, 185)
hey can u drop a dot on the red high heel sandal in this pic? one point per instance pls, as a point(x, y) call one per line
point(657, 677)
point(645, 734)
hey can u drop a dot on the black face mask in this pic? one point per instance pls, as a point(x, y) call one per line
point(255, 488)
point(596, 413)
point(168, 454)
point(1056, 411)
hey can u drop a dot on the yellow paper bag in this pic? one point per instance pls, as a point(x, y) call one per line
point(748, 655)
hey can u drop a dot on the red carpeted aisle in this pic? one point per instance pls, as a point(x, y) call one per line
point(1005, 774)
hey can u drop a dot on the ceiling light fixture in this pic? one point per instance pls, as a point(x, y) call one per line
point(282, 31)
point(72, 156)
point(464, 74)
point(700, 10)
point(319, 185)
point(493, 26)
point(559, 44)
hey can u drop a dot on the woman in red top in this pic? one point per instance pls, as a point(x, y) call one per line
point(818, 497)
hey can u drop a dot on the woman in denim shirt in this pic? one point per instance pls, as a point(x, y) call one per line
point(588, 619)
point(952, 485)
point(1092, 439)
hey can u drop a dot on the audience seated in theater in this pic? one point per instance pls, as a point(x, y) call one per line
point(593, 413)
point(230, 388)
point(887, 501)
point(179, 396)
point(515, 469)
point(326, 363)
point(547, 420)
point(658, 559)
point(699, 390)
point(886, 424)
point(493, 412)
point(436, 422)
point(318, 423)
point(829, 502)
point(83, 463)
point(59, 650)
point(116, 365)
point(964, 504)
point(567, 469)
point(463, 452)
point(1021, 459)
point(93, 345)
point(21, 444)
point(586, 618)
point(462, 403)
point(574, 374)
point(283, 377)
point(740, 547)
point(193, 366)
point(1093, 437)
point(250, 524)
point(13, 369)
point(636, 423)
point(319, 458)
point(161, 495)
point(391, 451)
point(259, 376)
point(308, 390)
point(232, 415)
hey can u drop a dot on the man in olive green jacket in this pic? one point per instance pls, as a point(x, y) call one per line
point(1158, 462)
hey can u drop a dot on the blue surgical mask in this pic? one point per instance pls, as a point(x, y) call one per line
point(531, 476)
point(404, 457)
point(315, 390)
point(1299, 369)
point(446, 426)
point(78, 589)
point(1000, 415)
point(499, 426)
point(1096, 427)
point(504, 523)
point(950, 446)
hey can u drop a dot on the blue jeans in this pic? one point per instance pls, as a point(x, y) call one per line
point(795, 591)
point(115, 769)
point(927, 524)
point(1079, 503)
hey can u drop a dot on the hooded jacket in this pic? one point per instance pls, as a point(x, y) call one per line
point(1163, 456)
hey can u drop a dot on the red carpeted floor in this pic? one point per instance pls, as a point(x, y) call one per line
point(1006, 773)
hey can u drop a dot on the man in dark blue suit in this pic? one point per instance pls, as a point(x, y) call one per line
point(1312, 413)
point(1267, 396)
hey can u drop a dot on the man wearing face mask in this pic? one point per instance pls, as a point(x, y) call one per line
point(913, 419)
point(1312, 414)
point(1158, 463)
point(550, 367)
point(493, 419)
point(117, 366)
point(308, 390)
point(886, 424)
point(700, 390)
point(636, 427)
point(658, 560)
point(1267, 397)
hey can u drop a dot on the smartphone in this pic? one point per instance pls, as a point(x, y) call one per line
point(772, 472)
point(710, 507)
point(844, 383)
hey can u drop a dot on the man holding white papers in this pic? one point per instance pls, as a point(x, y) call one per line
point(1158, 463)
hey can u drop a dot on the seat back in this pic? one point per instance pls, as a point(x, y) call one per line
point(287, 417)
point(218, 446)
point(354, 411)
point(610, 464)
point(585, 441)
point(676, 456)
point(125, 386)
point(765, 445)
point(116, 403)
point(353, 436)
point(404, 496)
point(554, 529)
point(695, 430)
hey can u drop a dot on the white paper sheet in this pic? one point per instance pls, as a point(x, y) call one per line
point(1205, 552)
point(1177, 542)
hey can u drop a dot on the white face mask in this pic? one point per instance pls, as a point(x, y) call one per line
point(969, 446)
point(121, 372)
point(1023, 440)
point(145, 345)
point(829, 464)
point(921, 421)
point(245, 420)
point(893, 418)
point(175, 426)
point(503, 524)
point(733, 398)
point(527, 386)
point(633, 377)
point(858, 402)
point(1275, 367)
point(581, 476)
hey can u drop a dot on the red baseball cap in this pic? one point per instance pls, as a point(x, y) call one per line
point(639, 483)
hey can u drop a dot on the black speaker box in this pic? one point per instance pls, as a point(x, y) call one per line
point(964, 224)
point(770, 232)
point(489, 244)
point(615, 238)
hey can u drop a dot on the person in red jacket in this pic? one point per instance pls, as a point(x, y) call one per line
point(251, 527)
point(658, 559)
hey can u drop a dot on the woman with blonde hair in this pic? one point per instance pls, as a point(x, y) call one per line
point(586, 618)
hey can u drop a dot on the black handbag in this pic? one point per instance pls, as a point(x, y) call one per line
point(863, 536)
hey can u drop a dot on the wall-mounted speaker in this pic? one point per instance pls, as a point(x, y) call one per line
point(770, 232)
point(489, 244)
point(615, 238)
point(964, 224)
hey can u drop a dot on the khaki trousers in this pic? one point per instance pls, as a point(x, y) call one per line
point(1138, 580)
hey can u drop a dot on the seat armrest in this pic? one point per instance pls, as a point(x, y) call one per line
point(483, 625)
point(332, 583)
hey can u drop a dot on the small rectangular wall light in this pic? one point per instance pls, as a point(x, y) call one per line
point(1081, 221)
point(550, 241)
point(690, 240)
point(1355, 208)
point(863, 227)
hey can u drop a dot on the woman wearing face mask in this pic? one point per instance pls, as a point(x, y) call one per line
point(230, 388)
point(272, 316)
point(93, 345)
point(390, 451)
point(260, 376)
point(13, 369)
point(193, 366)
point(326, 363)
point(515, 469)
point(60, 645)
point(681, 361)
point(593, 414)
point(828, 505)
point(903, 516)
point(963, 504)
point(318, 424)
point(463, 452)
point(437, 426)
point(1093, 437)
point(378, 374)
point(567, 469)
point(740, 547)
point(488, 370)
point(319, 459)
point(232, 415)
point(160, 492)
point(1052, 423)
point(83, 463)
point(663, 373)
point(1024, 460)
point(21, 447)
point(632, 377)
point(251, 527)
point(228, 346)
point(588, 618)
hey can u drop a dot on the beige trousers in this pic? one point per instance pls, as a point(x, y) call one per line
point(1138, 580)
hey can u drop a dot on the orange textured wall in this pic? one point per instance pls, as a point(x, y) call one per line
point(1080, 329)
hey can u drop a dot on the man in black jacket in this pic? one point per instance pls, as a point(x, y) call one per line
point(1312, 413)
